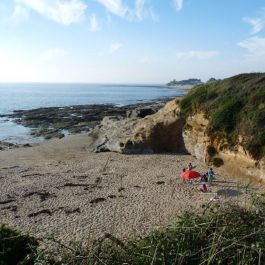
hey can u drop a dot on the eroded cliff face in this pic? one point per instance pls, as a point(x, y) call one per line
point(194, 136)
point(168, 131)
point(237, 161)
point(160, 132)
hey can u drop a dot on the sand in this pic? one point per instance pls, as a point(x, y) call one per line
point(59, 188)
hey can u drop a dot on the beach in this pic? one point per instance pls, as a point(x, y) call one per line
point(60, 188)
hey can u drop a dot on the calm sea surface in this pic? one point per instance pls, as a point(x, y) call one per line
point(31, 96)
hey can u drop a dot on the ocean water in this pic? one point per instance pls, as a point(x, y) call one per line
point(36, 95)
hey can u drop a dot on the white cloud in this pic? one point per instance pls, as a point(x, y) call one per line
point(94, 24)
point(116, 7)
point(140, 10)
point(199, 55)
point(54, 54)
point(255, 46)
point(114, 47)
point(256, 23)
point(178, 4)
point(20, 13)
point(62, 11)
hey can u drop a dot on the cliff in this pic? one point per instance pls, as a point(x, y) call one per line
point(225, 122)
point(221, 123)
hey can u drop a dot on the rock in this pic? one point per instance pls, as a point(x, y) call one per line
point(6, 146)
point(195, 137)
point(140, 112)
point(160, 132)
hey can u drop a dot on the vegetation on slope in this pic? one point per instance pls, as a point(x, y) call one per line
point(235, 107)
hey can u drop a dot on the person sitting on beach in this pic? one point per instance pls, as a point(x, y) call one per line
point(204, 181)
point(190, 167)
point(183, 170)
point(211, 175)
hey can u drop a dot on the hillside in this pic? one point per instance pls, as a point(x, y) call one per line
point(235, 108)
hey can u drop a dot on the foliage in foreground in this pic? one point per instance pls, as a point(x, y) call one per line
point(235, 107)
point(16, 248)
point(224, 235)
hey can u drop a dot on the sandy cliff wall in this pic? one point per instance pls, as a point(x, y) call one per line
point(238, 161)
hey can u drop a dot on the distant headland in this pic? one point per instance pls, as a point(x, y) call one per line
point(190, 82)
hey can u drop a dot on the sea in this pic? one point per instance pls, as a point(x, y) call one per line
point(15, 96)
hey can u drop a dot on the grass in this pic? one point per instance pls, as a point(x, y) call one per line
point(16, 248)
point(223, 234)
point(235, 107)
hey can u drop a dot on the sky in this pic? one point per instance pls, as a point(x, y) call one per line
point(129, 41)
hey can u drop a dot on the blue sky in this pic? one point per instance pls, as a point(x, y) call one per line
point(129, 41)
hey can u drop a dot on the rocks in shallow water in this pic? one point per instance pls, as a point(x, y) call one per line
point(6, 146)
point(141, 112)
point(58, 122)
point(160, 132)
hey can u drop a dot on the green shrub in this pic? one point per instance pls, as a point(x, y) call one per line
point(218, 162)
point(226, 116)
point(211, 151)
point(16, 248)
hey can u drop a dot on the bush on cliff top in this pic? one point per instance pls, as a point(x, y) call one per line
point(234, 106)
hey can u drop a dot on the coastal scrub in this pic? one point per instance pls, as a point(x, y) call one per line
point(235, 108)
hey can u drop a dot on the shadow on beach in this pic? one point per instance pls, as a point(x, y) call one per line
point(228, 192)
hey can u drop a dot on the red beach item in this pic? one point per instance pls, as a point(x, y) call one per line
point(190, 174)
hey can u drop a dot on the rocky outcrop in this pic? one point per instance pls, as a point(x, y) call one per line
point(160, 132)
point(168, 131)
point(7, 146)
point(195, 137)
